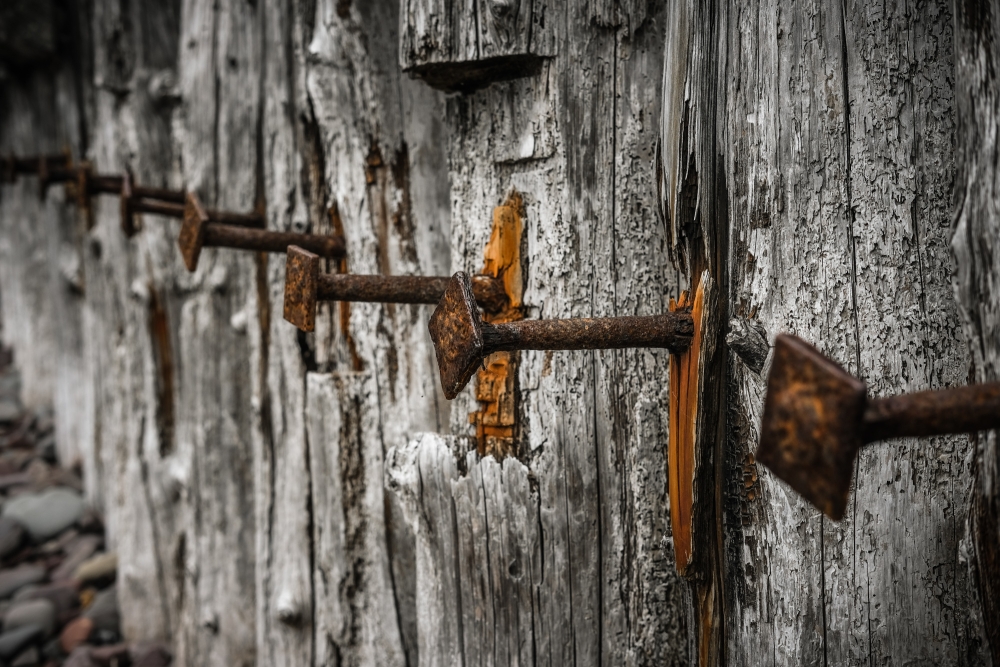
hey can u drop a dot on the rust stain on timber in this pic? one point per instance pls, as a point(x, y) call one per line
point(496, 386)
point(337, 225)
point(684, 396)
point(159, 331)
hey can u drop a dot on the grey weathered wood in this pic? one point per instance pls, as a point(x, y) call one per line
point(835, 132)
point(976, 234)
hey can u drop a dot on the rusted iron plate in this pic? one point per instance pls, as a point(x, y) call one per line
point(301, 276)
point(192, 234)
point(812, 425)
point(456, 331)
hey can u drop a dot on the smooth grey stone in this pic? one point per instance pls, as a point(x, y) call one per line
point(27, 658)
point(39, 612)
point(9, 410)
point(97, 568)
point(77, 553)
point(12, 642)
point(80, 657)
point(104, 611)
point(151, 654)
point(64, 595)
point(46, 514)
point(16, 578)
point(11, 536)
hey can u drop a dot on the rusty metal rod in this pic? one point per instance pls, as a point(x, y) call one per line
point(104, 184)
point(158, 207)
point(163, 194)
point(488, 291)
point(462, 340)
point(246, 238)
point(959, 410)
point(670, 330)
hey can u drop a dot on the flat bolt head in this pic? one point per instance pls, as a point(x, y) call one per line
point(125, 203)
point(192, 236)
point(301, 278)
point(457, 333)
point(811, 430)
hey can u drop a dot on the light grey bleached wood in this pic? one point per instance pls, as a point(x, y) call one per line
point(218, 81)
point(373, 146)
point(975, 241)
point(836, 140)
point(356, 617)
point(131, 319)
point(555, 138)
point(419, 478)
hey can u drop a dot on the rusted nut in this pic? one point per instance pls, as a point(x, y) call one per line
point(305, 286)
point(817, 417)
point(198, 231)
point(462, 340)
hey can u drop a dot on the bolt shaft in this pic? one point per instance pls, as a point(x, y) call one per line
point(672, 331)
point(246, 238)
point(104, 184)
point(488, 291)
point(158, 207)
point(958, 410)
point(163, 194)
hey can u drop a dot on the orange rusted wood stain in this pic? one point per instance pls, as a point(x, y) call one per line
point(496, 388)
point(684, 393)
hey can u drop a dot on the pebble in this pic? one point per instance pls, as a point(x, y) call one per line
point(80, 657)
point(11, 536)
point(77, 553)
point(108, 655)
point(75, 634)
point(63, 595)
point(104, 611)
point(39, 612)
point(16, 578)
point(27, 658)
point(9, 411)
point(100, 567)
point(13, 642)
point(151, 654)
point(46, 514)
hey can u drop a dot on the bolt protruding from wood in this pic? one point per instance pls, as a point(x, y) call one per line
point(817, 417)
point(462, 340)
point(199, 231)
point(137, 199)
point(11, 166)
point(305, 286)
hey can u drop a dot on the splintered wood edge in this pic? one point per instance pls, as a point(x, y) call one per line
point(501, 259)
point(687, 423)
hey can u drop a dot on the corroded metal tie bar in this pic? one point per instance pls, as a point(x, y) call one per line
point(305, 285)
point(172, 204)
point(50, 169)
point(199, 231)
point(462, 340)
point(817, 417)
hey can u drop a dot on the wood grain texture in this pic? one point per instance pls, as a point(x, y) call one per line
point(577, 143)
point(837, 137)
point(976, 234)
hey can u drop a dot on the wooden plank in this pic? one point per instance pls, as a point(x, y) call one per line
point(419, 478)
point(976, 230)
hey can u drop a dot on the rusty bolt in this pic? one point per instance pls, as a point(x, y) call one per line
point(817, 417)
point(305, 285)
point(462, 340)
point(199, 231)
point(171, 204)
point(11, 167)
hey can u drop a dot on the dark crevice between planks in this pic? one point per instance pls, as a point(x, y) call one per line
point(163, 361)
point(154, 524)
point(470, 76)
point(846, 92)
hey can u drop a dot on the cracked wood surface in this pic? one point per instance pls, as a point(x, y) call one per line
point(836, 134)
point(975, 241)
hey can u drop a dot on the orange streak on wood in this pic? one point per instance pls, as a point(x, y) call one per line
point(684, 394)
point(496, 390)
